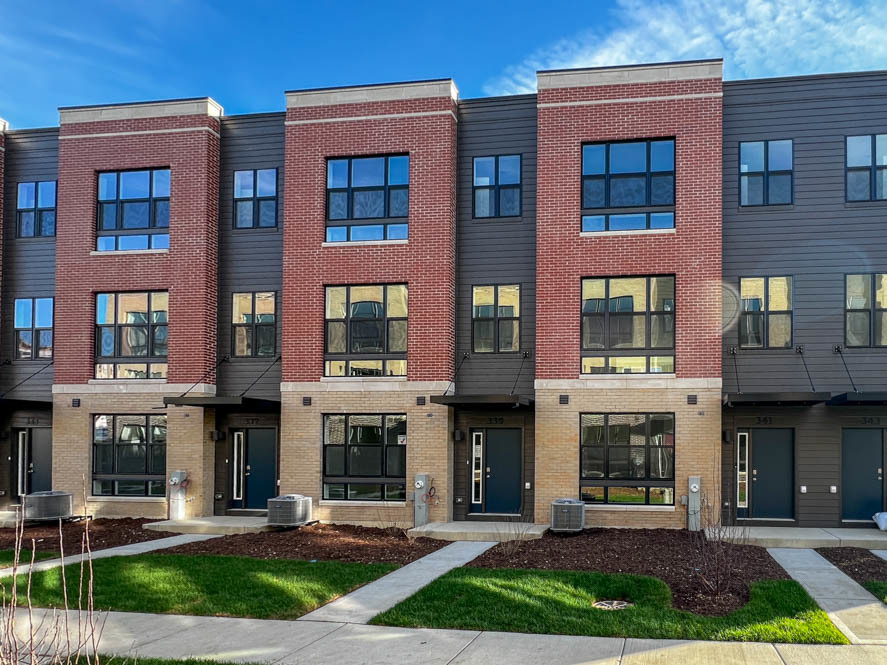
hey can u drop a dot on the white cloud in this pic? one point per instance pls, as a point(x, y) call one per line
point(756, 38)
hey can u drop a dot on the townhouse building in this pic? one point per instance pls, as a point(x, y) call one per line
point(637, 285)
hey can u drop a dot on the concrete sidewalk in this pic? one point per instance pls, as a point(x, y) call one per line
point(808, 537)
point(123, 550)
point(366, 602)
point(856, 612)
point(880, 553)
point(335, 643)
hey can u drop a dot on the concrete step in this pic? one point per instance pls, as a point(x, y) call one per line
point(802, 537)
point(490, 532)
point(220, 525)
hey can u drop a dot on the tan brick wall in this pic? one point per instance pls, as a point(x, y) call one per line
point(697, 446)
point(188, 447)
point(429, 450)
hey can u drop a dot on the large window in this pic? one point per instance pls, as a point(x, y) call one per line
point(865, 316)
point(365, 457)
point(129, 455)
point(627, 458)
point(363, 197)
point(33, 328)
point(255, 199)
point(131, 335)
point(497, 187)
point(765, 172)
point(133, 210)
point(366, 330)
point(628, 325)
point(254, 324)
point(628, 186)
point(867, 167)
point(766, 318)
point(35, 209)
point(495, 318)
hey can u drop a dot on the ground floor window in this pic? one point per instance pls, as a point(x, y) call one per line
point(365, 457)
point(627, 458)
point(129, 455)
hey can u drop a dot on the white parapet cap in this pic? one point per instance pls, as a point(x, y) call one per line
point(3, 125)
point(653, 73)
point(129, 111)
point(382, 92)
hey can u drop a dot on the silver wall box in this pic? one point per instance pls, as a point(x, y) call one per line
point(694, 503)
point(421, 485)
point(177, 491)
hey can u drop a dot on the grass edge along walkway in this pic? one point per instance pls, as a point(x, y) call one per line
point(7, 557)
point(207, 585)
point(878, 589)
point(558, 602)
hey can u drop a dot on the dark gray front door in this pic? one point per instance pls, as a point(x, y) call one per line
point(772, 478)
point(862, 473)
point(503, 471)
point(33, 454)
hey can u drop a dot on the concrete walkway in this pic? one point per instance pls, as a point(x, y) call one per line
point(804, 537)
point(856, 612)
point(880, 553)
point(366, 602)
point(219, 525)
point(320, 643)
point(123, 550)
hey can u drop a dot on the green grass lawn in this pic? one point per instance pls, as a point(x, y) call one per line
point(559, 601)
point(7, 557)
point(209, 585)
point(879, 589)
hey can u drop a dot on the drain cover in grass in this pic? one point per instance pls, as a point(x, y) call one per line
point(612, 604)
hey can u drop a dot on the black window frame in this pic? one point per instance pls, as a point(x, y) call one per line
point(150, 474)
point(495, 318)
point(872, 311)
point(150, 359)
point(151, 231)
point(648, 209)
point(33, 329)
point(647, 482)
point(348, 356)
point(648, 351)
point(765, 175)
point(383, 480)
point(253, 326)
point(256, 200)
point(874, 169)
point(764, 314)
point(496, 187)
point(37, 210)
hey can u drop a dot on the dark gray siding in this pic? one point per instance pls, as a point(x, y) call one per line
point(249, 259)
point(817, 239)
point(492, 251)
point(28, 263)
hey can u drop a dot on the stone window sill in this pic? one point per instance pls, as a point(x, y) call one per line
point(635, 509)
point(362, 504)
point(338, 379)
point(129, 251)
point(126, 382)
point(634, 377)
point(129, 499)
point(363, 243)
point(638, 232)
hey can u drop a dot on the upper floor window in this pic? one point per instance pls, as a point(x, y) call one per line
point(628, 186)
point(765, 172)
point(495, 314)
point(33, 328)
point(766, 318)
point(255, 199)
point(254, 324)
point(131, 335)
point(867, 167)
point(362, 190)
point(366, 330)
point(35, 208)
point(865, 319)
point(129, 455)
point(133, 210)
point(497, 186)
point(624, 315)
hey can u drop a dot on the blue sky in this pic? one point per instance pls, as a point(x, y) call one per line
point(245, 54)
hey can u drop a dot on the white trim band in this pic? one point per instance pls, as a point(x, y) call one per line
point(390, 92)
point(176, 130)
point(629, 100)
point(627, 381)
point(383, 116)
point(369, 384)
point(132, 386)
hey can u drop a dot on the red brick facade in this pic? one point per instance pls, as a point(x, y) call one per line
point(692, 253)
point(426, 262)
point(189, 146)
point(2, 190)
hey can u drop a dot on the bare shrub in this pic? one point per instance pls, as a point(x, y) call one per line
point(718, 550)
point(512, 533)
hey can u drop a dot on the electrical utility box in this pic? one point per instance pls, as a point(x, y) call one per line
point(694, 503)
point(177, 491)
point(421, 487)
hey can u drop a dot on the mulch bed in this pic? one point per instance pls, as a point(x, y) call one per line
point(857, 563)
point(669, 554)
point(103, 533)
point(319, 542)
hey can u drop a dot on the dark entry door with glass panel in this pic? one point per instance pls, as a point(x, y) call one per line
point(254, 467)
point(765, 474)
point(862, 473)
point(33, 455)
point(496, 471)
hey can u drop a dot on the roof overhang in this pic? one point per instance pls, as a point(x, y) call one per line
point(216, 401)
point(870, 398)
point(776, 399)
point(482, 400)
